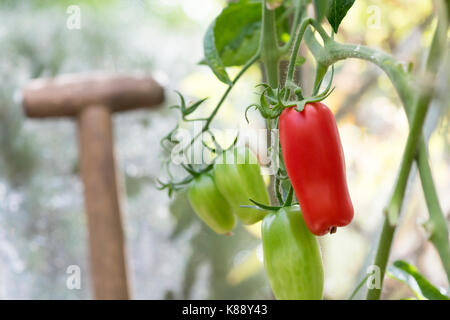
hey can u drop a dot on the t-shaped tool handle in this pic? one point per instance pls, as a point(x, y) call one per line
point(92, 98)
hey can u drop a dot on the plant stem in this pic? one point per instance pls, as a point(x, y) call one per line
point(294, 53)
point(414, 137)
point(393, 69)
point(418, 119)
point(299, 10)
point(270, 54)
point(437, 224)
point(224, 96)
point(358, 287)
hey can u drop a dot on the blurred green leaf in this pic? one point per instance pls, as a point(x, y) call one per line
point(422, 288)
point(233, 37)
point(338, 10)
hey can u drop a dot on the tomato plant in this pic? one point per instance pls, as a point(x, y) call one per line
point(311, 158)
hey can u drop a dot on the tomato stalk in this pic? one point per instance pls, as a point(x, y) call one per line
point(299, 12)
point(270, 53)
point(298, 39)
point(414, 137)
point(270, 56)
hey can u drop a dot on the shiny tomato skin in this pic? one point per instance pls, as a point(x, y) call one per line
point(314, 160)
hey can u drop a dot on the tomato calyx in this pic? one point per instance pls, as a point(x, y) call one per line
point(261, 206)
point(273, 101)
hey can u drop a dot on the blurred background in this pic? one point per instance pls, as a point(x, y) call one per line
point(171, 253)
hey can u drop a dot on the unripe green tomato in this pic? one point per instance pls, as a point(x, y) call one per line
point(291, 256)
point(238, 177)
point(210, 205)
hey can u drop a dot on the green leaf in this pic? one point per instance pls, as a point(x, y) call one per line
point(321, 7)
point(237, 32)
point(337, 12)
point(422, 288)
point(233, 37)
point(212, 57)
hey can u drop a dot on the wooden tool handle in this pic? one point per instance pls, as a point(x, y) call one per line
point(106, 237)
point(68, 95)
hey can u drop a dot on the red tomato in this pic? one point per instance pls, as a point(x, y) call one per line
point(315, 164)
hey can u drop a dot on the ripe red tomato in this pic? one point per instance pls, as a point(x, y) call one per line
point(315, 164)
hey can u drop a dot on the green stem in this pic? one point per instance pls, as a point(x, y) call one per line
point(437, 224)
point(299, 9)
point(270, 54)
point(393, 69)
point(358, 287)
point(414, 141)
point(295, 49)
point(418, 119)
point(224, 96)
point(321, 71)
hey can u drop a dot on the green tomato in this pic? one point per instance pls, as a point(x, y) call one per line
point(291, 256)
point(210, 205)
point(239, 179)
